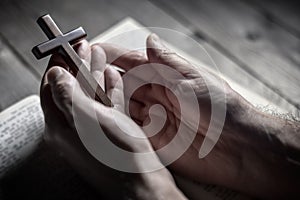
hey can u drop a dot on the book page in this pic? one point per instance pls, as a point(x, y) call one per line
point(29, 169)
point(21, 128)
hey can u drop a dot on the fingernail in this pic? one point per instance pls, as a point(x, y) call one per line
point(53, 74)
point(157, 41)
point(83, 48)
point(84, 45)
point(155, 37)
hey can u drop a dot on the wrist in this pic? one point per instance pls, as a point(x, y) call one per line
point(156, 185)
point(265, 146)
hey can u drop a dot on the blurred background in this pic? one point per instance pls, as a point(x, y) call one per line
point(255, 42)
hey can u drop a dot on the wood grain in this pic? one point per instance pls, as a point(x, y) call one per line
point(247, 37)
point(16, 81)
point(284, 13)
point(96, 16)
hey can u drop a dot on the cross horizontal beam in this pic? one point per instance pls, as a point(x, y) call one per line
point(50, 47)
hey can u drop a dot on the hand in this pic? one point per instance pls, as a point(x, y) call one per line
point(244, 153)
point(60, 92)
point(204, 170)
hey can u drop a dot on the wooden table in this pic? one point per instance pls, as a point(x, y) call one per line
point(255, 43)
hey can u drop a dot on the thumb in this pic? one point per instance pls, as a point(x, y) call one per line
point(63, 87)
point(157, 52)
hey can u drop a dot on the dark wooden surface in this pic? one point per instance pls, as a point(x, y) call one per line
point(256, 43)
point(17, 80)
point(284, 13)
point(260, 46)
point(241, 38)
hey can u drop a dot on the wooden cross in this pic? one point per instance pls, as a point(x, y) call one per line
point(62, 44)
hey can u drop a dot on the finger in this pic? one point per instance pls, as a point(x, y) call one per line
point(137, 111)
point(57, 60)
point(157, 52)
point(51, 112)
point(114, 88)
point(84, 51)
point(64, 88)
point(142, 94)
point(123, 58)
point(81, 48)
point(98, 64)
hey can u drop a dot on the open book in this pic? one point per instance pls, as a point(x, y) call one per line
point(22, 124)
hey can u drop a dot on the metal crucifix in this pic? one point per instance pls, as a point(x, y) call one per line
point(62, 44)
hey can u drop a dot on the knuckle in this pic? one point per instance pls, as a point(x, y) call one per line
point(136, 54)
point(138, 57)
point(164, 53)
point(96, 46)
point(63, 91)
